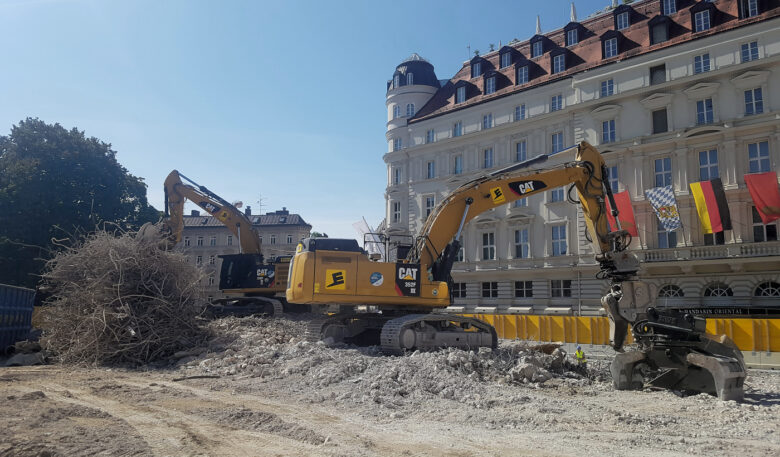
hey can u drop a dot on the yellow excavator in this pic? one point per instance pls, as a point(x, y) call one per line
point(394, 301)
point(251, 284)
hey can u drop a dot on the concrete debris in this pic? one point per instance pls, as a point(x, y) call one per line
point(23, 360)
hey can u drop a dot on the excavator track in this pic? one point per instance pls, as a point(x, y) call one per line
point(427, 332)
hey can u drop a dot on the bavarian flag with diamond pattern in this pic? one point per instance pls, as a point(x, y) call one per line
point(711, 205)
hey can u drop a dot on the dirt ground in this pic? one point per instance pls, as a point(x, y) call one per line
point(258, 389)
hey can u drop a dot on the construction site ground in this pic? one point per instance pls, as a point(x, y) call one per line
point(257, 388)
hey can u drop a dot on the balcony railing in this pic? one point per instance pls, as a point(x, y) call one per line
point(723, 251)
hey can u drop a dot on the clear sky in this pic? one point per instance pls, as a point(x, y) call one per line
point(279, 101)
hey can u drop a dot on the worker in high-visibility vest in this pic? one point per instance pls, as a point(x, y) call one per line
point(580, 356)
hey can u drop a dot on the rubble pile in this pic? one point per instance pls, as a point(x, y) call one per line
point(121, 300)
point(274, 349)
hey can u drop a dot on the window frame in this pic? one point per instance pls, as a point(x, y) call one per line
point(522, 244)
point(622, 24)
point(610, 47)
point(656, 125)
point(460, 95)
point(556, 102)
point(457, 129)
point(560, 288)
point(489, 289)
point(749, 51)
point(608, 131)
point(520, 110)
point(525, 72)
point(572, 33)
point(506, 59)
point(487, 121)
point(490, 85)
point(430, 169)
point(760, 158)
point(410, 110)
point(756, 103)
point(668, 7)
point(524, 289)
point(705, 112)
point(457, 164)
point(488, 246)
point(488, 159)
point(559, 240)
point(395, 212)
point(665, 174)
point(430, 136)
point(559, 143)
point(702, 21)
point(521, 149)
point(559, 63)
point(430, 204)
point(701, 63)
point(607, 88)
point(765, 229)
point(708, 164)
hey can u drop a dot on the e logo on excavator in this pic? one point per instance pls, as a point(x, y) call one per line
point(497, 195)
point(335, 280)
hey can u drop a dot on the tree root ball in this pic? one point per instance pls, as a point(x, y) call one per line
point(121, 300)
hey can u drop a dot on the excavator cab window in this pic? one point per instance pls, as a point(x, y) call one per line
point(330, 244)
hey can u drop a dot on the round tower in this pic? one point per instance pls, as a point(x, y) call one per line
point(414, 82)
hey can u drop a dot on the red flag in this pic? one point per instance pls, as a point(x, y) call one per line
point(625, 213)
point(766, 196)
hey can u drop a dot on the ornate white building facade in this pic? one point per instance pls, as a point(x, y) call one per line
point(671, 92)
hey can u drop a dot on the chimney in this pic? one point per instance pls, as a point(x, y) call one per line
point(195, 213)
point(248, 211)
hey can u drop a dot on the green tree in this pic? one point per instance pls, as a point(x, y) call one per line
point(55, 183)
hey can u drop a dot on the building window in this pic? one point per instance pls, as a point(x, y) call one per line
point(487, 156)
point(522, 247)
point(558, 240)
point(612, 177)
point(660, 122)
point(758, 157)
point(410, 110)
point(610, 48)
point(430, 202)
point(524, 289)
point(762, 232)
point(396, 111)
point(556, 195)
point(211, 280)
point(560, 288)
point(457, 165)
point(718, 289)
point(522, 74)
point(490, 85)
point(750, 51)
point(476, 69)
point(767, 289)
point(520, 112)
point(506, 59)
point(460, 94)
point(717, 238)
point(396, 81)
point(230, 240)
point(199, 259)
point(396, 176)
point(410, 79)
point(657, 74)
point(659, 32)
point(622, 21)
point(704, 113)
point(396, 212)
point(212, 259)
point(289, 239)
point(663, 172)
point(608, 131)
point(273, 239)
point(670, 290)
point(701, 63)
point(537, 48)
point(607, 88)
point(430, 136)
point(557, 142)
point(701, 21)
point(521, 151)
point(186, 241)
point(396, 144)
point(559, 63)
point(571, 37)
point(213, 240)
point(430, 169)
point(666, 239)
point(489, 290)
point(669, 7)
point(489, 246)
point(754, 101)
point(487, 121)
point(748, 8)
point(522, 203)
point(457, 129)
point(708, 165)
point(459, 290)
point(556, 102)
point(200, 241)
point(461, 256)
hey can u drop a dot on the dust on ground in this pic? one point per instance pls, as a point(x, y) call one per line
point(259, 389)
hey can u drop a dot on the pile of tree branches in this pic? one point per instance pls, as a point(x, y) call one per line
point(121, 300)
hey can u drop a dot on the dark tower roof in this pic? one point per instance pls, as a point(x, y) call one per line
point(422, 69)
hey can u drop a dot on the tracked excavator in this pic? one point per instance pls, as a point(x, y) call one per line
point(392, 303)
point(252, 284)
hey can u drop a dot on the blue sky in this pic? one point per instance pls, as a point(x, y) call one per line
point(275, 101)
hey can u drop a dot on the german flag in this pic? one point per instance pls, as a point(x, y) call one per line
point(711, 205)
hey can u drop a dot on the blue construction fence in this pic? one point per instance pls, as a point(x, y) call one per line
point(16, 309)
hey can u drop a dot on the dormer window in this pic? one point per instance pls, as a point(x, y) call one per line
point(559, 63)
point(476, 69)
point(537, 48)
point(490, 85)
point(748, 8)
point(572, 37)
point(460, 94)
point(669, 6)
point(621, 21)
point(701, 21)
point(396, 81)
point(610, 44)
point(506, 59)
point(522, 74)
point(409, 79)
point(659, 29)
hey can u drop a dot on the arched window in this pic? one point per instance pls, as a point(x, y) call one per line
point(396, 81)
point(718, 289)
point(670, 290)
point(409, 79)
point(410, 110)
point(767, 289)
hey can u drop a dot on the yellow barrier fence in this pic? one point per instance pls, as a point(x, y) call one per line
point(748, 334)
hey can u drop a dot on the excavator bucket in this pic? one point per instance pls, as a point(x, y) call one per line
point(679, 357)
